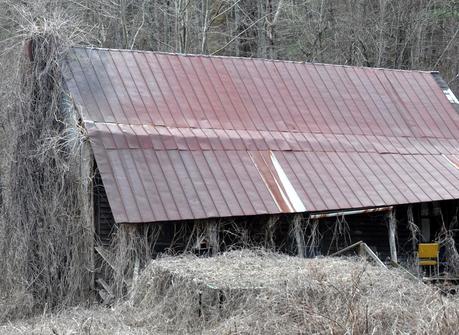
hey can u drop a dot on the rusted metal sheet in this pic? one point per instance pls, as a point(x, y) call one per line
point(181, 137)
point(453, 159)
point(277, 182)
point(354, 212)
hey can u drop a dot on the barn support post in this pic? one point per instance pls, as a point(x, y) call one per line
point(86, 171)
point(298, 233)
point(425, 222)
point(392, 232)
point(269, 232)
point(414, 229)
point(212, 229)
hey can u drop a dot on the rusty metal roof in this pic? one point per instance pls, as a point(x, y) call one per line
point(180, 137)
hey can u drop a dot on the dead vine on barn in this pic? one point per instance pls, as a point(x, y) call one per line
point(46, 238)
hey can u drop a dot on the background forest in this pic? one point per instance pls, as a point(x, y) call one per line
point(405, 34)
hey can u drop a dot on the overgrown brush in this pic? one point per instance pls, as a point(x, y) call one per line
point(258, 292)
point(45, 237)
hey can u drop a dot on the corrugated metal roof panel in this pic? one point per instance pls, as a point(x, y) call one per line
point(189, 137)
point(183, 184)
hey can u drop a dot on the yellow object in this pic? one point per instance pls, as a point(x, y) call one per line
point(427, 263)
point(428, 250)
point(428, 255)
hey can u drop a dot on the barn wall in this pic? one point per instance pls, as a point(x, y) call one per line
point(103, 218)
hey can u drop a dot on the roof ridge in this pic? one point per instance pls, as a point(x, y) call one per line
point(251, 58)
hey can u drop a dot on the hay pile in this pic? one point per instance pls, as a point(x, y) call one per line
point(255, 292)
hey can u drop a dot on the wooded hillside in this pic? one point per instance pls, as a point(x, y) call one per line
point(408, 34)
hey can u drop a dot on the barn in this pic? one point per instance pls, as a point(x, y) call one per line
point(302, 157)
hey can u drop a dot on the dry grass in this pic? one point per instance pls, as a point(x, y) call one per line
point(256, 292)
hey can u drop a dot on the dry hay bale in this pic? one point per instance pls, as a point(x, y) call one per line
point(256, 292)
point(250, 292)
